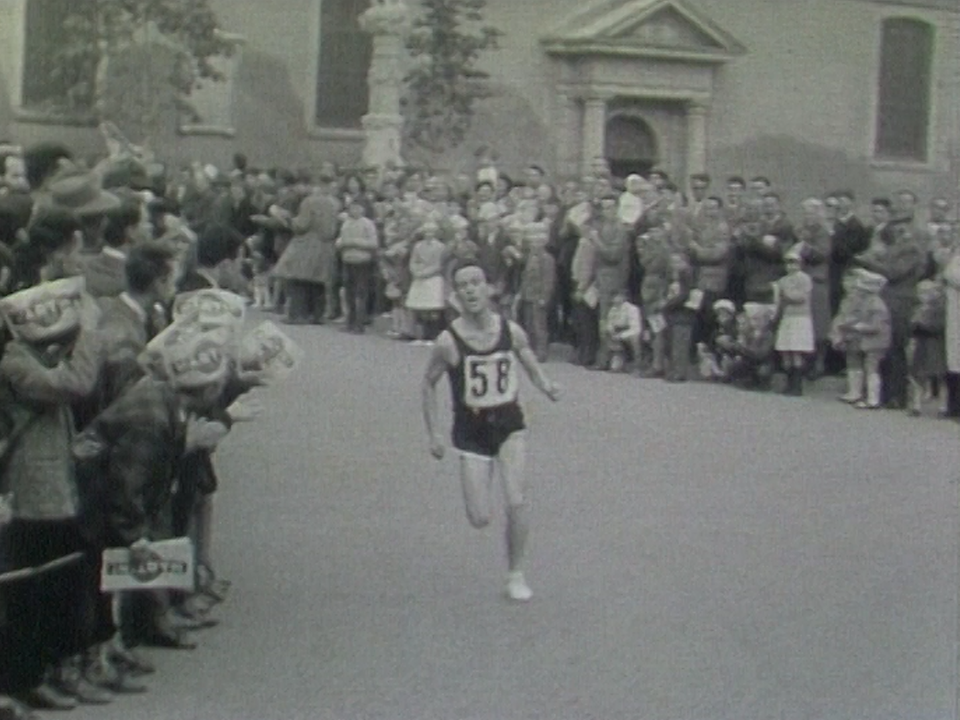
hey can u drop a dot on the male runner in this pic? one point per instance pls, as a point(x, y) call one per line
point(479, 352)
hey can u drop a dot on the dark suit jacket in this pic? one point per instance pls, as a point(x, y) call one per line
point(850, 238)
point(144, 434)
point(490, 255)
point(903, 265)
point(763, 264)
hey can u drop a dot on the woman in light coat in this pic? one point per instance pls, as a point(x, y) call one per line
point(309, 262)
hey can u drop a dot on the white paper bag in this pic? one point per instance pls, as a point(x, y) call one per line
point(267, 350)
point(591, 297)
point(695, 300)
point(170, 566)
point(657, 323)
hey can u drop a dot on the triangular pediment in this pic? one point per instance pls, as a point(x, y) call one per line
point(664, 28)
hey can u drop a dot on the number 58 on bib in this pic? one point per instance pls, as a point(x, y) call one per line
point(490, 380)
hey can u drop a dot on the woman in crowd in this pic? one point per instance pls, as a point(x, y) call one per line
point(814, 234)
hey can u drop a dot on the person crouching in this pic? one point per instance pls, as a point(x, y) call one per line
point(623, 328)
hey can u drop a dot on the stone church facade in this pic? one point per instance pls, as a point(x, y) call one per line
point(813, 93)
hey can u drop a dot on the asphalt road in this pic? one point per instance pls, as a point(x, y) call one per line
point(697, 553)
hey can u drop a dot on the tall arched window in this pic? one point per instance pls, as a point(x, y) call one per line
point(48, 84)
point(345, 52)
point(903, 107)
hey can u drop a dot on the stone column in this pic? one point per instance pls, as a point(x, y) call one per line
point(388, 21)
point(13, 15)
point(594, 131)
point(570, 135)
point(696, 137)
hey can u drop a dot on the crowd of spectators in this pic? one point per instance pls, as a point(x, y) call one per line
point(713, 281)
point(112, 403)
point(708, 282)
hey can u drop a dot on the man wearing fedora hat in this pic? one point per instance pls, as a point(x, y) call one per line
point(82, 194)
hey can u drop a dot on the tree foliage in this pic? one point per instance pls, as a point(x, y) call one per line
point(446, 43)
point(105, 40)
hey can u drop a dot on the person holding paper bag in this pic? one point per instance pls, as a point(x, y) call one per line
point(147, 434)
point(52, 360)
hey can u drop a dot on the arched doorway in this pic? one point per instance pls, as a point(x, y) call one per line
point(630, 145)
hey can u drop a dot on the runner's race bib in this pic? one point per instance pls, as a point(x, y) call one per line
point(490, 380)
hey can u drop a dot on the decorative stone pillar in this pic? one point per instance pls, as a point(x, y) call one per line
point(696, 137)
point(388, 21)
point(570, 135)
point(953, 129)
point(13, 25)
point(594, 131)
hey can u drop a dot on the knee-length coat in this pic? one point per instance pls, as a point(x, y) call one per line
point(311, 255)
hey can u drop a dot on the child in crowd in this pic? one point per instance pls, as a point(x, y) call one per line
point(427, 295)
point(262, 297)
point(794, 341)
point(358, 245)
point(394, 269)
point(623, 328)
point(716, 356)
point(870, 329)
point(844, 339)
point(927, 350)
point(680, 314)
point(751, 362)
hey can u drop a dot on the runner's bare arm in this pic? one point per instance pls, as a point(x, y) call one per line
point(521, 345)
point(441, 358)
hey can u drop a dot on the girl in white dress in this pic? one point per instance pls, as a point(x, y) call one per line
point(794, 340)
point(427, 294)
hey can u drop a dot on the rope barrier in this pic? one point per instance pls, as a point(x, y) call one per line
point(25, 573)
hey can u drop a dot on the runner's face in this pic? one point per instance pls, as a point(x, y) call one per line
point(472, 289)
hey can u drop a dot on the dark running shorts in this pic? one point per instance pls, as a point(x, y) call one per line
point(483, 432)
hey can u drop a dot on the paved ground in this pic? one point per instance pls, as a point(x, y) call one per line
point(698, 553)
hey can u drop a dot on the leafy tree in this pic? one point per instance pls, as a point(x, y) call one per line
point(132, 60)
point(446, 43)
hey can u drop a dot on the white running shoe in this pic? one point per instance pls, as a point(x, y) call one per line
point(517, 588)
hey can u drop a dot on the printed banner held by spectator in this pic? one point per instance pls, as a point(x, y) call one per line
point(211, 307)
point(169, 565)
